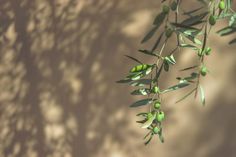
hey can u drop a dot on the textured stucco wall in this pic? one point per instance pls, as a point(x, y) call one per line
point(59, 61)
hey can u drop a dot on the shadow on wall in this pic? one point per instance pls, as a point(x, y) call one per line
point(58, 97)
point(59, 64)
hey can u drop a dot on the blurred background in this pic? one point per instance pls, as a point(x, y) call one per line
point(59, 63)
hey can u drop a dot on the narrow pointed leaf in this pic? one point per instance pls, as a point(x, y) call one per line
point(148, 122)
point(150, 138)
point(175, 87)
point(141, 102)
point(189, 68)
point(203, 100)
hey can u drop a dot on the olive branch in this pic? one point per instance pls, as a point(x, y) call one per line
point(192, 33)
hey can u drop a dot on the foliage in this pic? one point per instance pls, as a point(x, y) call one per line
point(192, 32)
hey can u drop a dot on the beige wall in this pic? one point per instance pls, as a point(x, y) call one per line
point(58, 98)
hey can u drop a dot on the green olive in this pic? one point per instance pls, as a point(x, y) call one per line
point(173, 5)
point(160, 116)
point(157, 105)
point(222, 5)
point(165, 9)
point(168, 32)
point(203, 71)
point(208, 51)
point(156, 130)
point(212, 20)
point(155, 89)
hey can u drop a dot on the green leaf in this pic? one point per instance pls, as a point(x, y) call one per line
point(135, 76)
point(141, 121)
point(170, 59)
point(147, 135)
point(188, 46)
point(161, 136)
point(148, 122)
point(141, 82)
point(226, 31)
point(150, 138)
point(143, 91)
point(142, 102)
point(232, 21)
point(189, 68)
point(223, 16)
point(175, 87)
point(191, 35)
point(203, 100)
point(228, 4)
point(142, 114)
point(138, 75)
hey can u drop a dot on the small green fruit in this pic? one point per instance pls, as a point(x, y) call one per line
point(212, 20)
point(156, 130)
point(208, 51)
point(222, 5)
point(160, 116)
point(203, 71)
point(173, 5)
point(169, 32)
point(155, 89)
point(165, 9)
point(157, 105)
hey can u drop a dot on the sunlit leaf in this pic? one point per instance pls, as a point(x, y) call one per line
point(175, 87)
point(141, 82)
point(148, 122)
point(143, 91)
point(203, 100)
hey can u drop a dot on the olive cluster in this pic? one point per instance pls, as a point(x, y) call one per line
point(201, 53)
point(155, 117)
point(160, 116)
point(212, 18)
